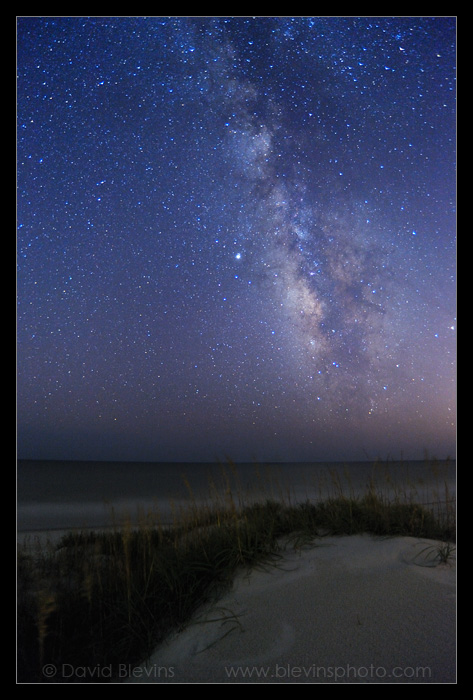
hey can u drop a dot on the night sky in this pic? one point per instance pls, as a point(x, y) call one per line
point(236, 238)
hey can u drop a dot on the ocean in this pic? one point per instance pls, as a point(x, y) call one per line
point(61, 495)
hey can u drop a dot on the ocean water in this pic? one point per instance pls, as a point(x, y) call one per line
point(61, 496)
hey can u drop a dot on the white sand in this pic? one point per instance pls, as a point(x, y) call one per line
point(353, 610)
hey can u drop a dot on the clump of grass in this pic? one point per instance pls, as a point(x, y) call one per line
point(108, 598)
point(432, 555)
point(371, 514)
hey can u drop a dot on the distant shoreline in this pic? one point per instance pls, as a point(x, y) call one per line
point(218, 462)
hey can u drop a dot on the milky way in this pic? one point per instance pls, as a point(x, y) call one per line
point(236, 236)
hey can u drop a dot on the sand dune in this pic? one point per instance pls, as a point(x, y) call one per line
point(352, 609)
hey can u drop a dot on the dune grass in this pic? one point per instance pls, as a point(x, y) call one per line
point(99, 599)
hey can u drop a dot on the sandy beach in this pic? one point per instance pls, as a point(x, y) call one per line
point(349, 609)
point(355, 609)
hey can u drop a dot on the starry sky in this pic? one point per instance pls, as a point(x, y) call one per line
point(236, 238)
